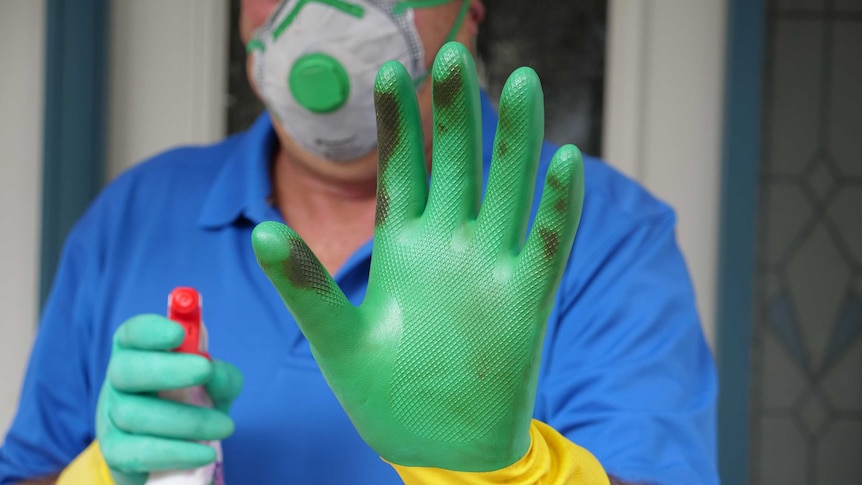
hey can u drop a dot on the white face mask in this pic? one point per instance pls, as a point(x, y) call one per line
point(315, 62)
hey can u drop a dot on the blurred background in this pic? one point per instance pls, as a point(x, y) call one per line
point(745, 115)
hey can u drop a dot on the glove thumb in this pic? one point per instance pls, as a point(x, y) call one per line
point(224, 385)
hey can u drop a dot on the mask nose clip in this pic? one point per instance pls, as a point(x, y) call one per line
point(319, 83)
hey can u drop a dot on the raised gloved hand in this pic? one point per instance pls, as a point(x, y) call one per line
point(438, 366)
point(138, 432)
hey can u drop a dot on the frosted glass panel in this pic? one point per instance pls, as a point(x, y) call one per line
point(806, 404)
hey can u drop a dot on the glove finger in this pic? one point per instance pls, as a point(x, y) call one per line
point(148, 371)
point(121, 478)
point(550, 241)
point(456, 172)
point(506, 210)
point(153, 416)
point(129, 454)
point(325, 316)
point(149, 332)
point(401, 175)
point(224, 385)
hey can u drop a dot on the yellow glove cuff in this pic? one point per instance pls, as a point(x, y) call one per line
point(551, 460)
point(89, 467)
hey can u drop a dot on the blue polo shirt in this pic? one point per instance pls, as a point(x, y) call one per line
point(625, 373)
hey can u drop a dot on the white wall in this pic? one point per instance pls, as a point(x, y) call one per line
point(22, 42)
point(664, 104)
point(168, 76)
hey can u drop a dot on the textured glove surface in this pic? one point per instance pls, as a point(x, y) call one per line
point(438, 366)
point(138, 432)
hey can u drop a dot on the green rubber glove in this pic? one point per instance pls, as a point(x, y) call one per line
point(438, 366)
point(138, 432)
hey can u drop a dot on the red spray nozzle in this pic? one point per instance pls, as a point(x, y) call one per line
point(184, 307)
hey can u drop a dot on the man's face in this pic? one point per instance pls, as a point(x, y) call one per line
point(433, 24)
point(253, 13)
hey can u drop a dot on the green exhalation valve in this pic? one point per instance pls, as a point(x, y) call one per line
point(319, 83)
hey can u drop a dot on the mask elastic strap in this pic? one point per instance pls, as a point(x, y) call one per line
point(465, 7)
point(456, 27)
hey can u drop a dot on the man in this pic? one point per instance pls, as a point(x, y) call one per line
point(625, 371)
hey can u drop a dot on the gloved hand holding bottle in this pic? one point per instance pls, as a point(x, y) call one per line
point(140, 432)
point(438, 366)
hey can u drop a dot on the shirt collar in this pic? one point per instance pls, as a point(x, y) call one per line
point(243, 187)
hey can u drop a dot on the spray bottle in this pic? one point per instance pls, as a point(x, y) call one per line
point(184, 307)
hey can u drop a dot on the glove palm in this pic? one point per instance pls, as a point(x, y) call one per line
point(438, 365)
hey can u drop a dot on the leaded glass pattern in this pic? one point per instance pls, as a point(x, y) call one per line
point(807, 362)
